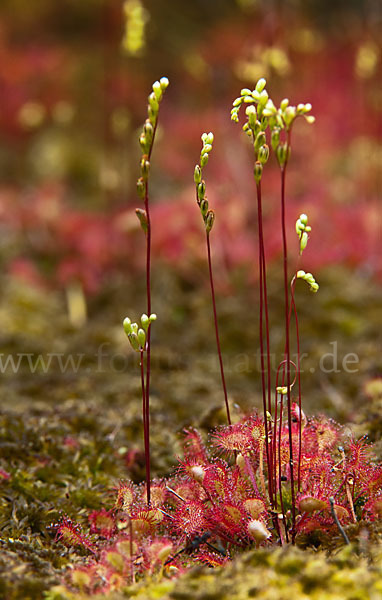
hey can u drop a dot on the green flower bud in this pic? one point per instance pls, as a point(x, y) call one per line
point(283, 390)
point(145, 168)
point(284, 104)
point(209, 220)
point(248, 99)
point(206, 149)
point(289, 115)
point(164, 83)
point(307, 107)
point(134, 328)
point(256, 95)
point(299, 227)
point(251, 113)
point(142, 216)
point(235, 116)
point(245, 92)
point(263, 154)
point(237, 103)
point(304, 218)
point(260, 85)
point(204, 206)
point(157, 89)
point(143, 143)
point(141, 188)
point(201, 190)
point(153, 102)
point(210, 138)
point(127, 325)
point(203, 160)
point(148, 130)
point(259, 141)
point(258, 171)
point(282, 153)
point(263, 99)
point(197, 174)
point(133, 339)
point(152, 317)
point(275, 138)
point(310, 119)
point(308, 229)
point(141, 336)
point(153, 116)
point(303, 241)
point(145, 321)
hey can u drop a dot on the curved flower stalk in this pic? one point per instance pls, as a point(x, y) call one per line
point(209, 218)
point(138, 338)
point(146, 141)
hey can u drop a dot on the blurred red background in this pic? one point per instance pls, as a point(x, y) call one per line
point(74, 79)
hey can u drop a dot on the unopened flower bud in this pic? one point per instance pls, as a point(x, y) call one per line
point(143, 142)
point(148, 131)
point(209, 220)
point(303, 241)
point(141, 188)
point(275, 138)
point(145, 168)
point(142, 216)
point(197, 174)
point(203, 160)
point(263, 99)
point(263, 154)
point(258, 171)
point(204, 206)
point(164, 83)
point(157, 89)
point(284, 104)
point(260, 85)
point(245, 92)
point(281, 153)
point(260, 140)
point(145, 321)
point(141, 336)
point(127, 325)
point(252, 116)
point(304, 218)
point(206, 148)
point(210, 138)
point(153, 102)
point(133, 339)
point(201, 190)
point(152, 317)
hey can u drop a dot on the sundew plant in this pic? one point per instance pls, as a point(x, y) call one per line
point(274, 478)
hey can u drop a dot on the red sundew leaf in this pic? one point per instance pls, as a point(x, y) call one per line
point(232, 439)
point(70, 534)
point(211, 559)
point(190, 518)
point(194, 447)
point(102, 522)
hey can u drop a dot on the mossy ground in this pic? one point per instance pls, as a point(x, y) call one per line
point(66, 438)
